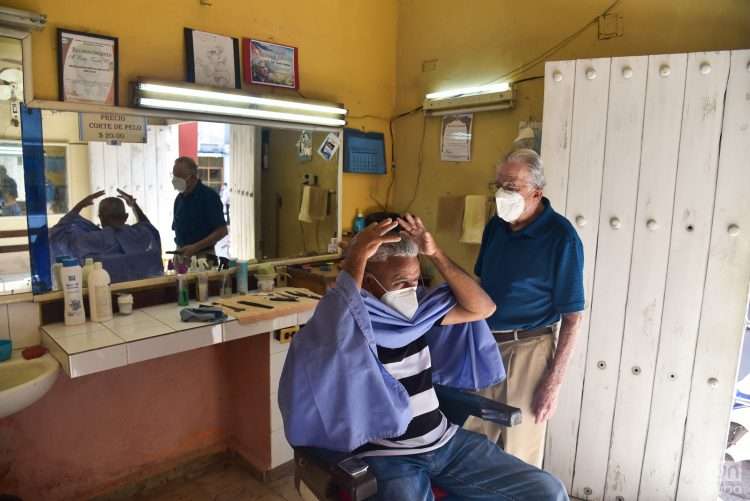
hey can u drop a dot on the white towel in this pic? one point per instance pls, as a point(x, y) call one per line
point(314, 206)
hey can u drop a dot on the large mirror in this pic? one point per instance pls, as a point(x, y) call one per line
point(277, 196)
point(14, 255)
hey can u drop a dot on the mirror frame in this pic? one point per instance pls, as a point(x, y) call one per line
point(41, 268)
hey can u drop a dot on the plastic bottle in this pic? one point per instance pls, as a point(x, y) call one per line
point(359, 222)
point(71, 281)
point(100, 294)
point(183, 297)
point(242, 271)
point(56, 269)
point(88, 265)
point(333, 245)
point(202, 286)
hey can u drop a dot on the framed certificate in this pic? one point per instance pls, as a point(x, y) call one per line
point(267, 63)
point(87, 67)
point(212, 59)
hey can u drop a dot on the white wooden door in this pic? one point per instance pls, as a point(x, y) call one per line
point(647, 156)
point(144, 171)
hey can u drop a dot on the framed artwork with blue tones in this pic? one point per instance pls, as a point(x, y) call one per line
point(267, 63)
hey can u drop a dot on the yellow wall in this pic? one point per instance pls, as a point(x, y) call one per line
point(474, 42)
point(347, 50)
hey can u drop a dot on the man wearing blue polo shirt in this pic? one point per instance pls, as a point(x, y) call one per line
point(198, 212)
point(531, 265)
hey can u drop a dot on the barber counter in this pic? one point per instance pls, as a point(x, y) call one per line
point(167, 389)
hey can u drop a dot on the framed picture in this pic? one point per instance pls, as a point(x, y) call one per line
point(87, 67)
point(212, 60)
point(267, 63)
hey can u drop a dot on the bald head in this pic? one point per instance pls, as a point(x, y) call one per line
point(112, 212)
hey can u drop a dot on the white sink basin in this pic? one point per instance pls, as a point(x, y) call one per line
point(23, 382)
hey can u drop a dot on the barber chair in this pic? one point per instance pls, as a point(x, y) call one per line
point(317, 473)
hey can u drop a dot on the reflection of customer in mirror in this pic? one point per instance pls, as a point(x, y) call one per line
point(9, 194)
point(198, 222)
point(127, 251)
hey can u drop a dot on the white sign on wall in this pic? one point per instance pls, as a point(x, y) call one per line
point(112, 127)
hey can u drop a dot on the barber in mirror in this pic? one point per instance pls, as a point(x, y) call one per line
point(531, 264)
point(198, 221)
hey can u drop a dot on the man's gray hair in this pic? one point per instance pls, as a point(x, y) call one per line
point(533, 161)
point(407, 247)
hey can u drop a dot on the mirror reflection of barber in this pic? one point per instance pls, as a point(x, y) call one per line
point(198, 221)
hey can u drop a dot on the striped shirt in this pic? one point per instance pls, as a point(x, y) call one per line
point(429, 429)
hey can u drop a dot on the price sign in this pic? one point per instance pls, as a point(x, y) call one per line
point(112, 127)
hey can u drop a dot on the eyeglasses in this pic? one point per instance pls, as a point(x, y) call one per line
point(511, 185)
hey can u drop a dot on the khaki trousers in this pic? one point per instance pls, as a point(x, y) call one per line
point(525, 363)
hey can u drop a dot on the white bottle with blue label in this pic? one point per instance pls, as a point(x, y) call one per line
point(71, 282)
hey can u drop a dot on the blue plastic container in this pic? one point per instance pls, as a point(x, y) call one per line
point(6, 349)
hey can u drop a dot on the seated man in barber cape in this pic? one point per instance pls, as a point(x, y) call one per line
point(359, 376)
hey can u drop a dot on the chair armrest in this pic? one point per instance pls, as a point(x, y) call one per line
point(458, 405)
point(319, 470)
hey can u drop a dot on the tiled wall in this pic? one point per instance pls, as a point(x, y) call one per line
point(20, 323)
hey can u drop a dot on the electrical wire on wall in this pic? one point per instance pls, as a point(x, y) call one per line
point(517, 71)
point(385, 205)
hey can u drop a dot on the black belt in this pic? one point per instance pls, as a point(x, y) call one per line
point(519, 334)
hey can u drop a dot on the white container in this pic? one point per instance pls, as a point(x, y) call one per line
point(56, 270)
point(71, 279)
point(100, 294)
point(266, 282)
point(202, 286)
point(125, 304)
point(88, 265)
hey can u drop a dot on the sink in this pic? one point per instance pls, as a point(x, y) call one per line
point(23, 382)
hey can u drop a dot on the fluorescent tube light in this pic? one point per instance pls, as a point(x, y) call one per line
point(493, 107)
point(167, 104)
point(228, 97)
point(468, 91)
point(10, 150)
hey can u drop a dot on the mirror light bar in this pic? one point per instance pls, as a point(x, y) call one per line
point(190, 97)
point(468, 91)
point(168, 104)
point(228, 97)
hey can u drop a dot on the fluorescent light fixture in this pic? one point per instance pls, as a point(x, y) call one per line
point(468, 91)
point(238, 98)
point(167, 104)
point(453, 111)
point(10, 150)
point(186, 97)
point(22, 19)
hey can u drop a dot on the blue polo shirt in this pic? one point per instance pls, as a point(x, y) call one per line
point(196, 215)
point(535, 274)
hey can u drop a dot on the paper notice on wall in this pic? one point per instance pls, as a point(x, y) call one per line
point(330, 146)
point(455, 139)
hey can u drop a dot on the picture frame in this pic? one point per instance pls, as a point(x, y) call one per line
point(87, 67)
point(270, 63)
point(212, 60)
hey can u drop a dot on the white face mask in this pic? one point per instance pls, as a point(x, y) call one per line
point(403, 300)
point(179, 184)
point(510, 205)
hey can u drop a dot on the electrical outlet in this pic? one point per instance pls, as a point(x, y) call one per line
point(610, 26)
point(285, 335)
point(429, 65)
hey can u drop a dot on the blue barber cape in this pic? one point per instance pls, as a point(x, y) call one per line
point(334, 392)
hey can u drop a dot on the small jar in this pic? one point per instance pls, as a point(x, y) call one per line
point(125, 304)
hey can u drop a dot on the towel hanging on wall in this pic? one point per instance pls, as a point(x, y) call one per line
point(314, 206)
point(475, 217)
